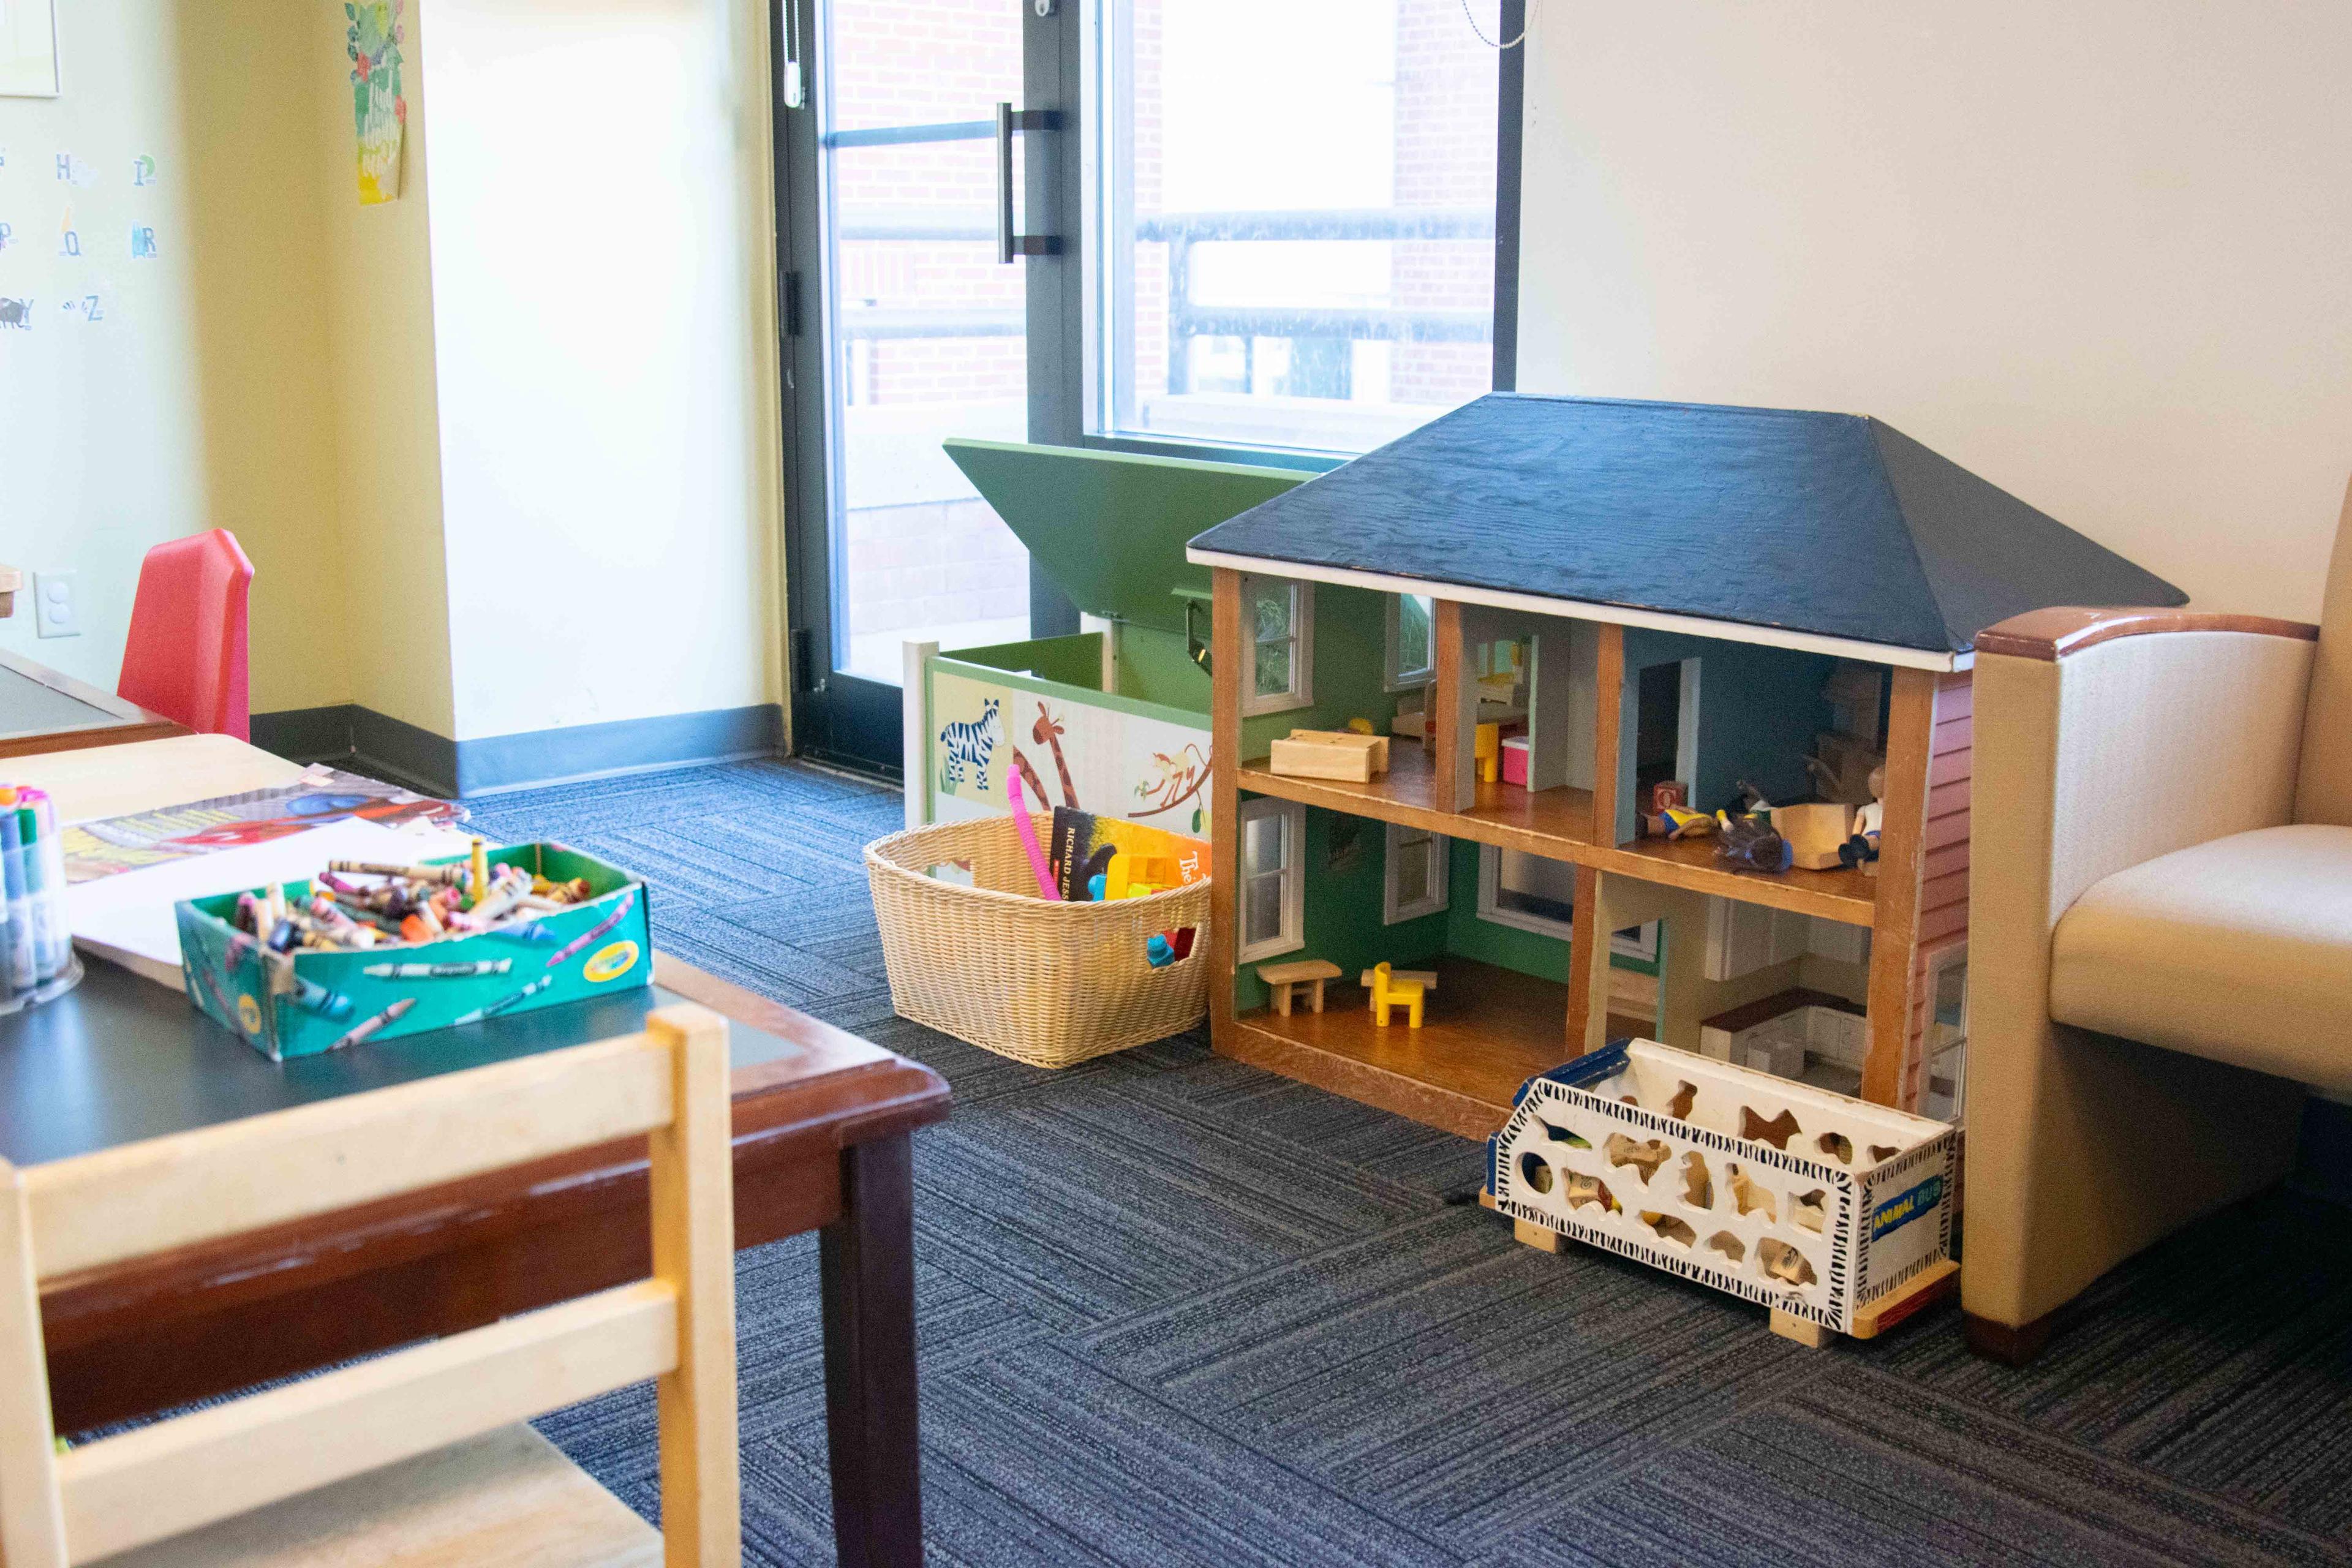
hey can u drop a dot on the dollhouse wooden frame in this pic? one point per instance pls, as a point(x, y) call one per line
point(1543, 520)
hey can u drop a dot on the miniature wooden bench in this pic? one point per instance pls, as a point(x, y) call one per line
point(1425, 978)
point(1329, 754)
point(1282, 979)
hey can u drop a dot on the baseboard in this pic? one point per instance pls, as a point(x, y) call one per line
point(494, 764)
point(2323, 1165)
point(306, 735)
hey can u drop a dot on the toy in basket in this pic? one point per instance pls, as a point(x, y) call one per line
point(976, 949)
point(1829, 1210)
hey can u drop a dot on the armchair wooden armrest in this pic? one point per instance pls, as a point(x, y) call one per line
point(2053, 634)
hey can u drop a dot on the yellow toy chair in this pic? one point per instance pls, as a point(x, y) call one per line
point(1488, 752)
point(1388, 992)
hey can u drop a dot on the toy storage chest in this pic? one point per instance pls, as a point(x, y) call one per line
point(1805, 1201)
point(1115, 721)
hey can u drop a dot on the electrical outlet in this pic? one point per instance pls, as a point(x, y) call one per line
point(54, 613)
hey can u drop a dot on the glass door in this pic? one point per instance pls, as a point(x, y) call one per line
point(902, 172)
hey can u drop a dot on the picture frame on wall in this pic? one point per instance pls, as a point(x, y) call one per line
point(28, 48)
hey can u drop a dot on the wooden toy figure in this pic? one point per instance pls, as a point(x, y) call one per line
point(1862, 849)
point(1388, 992)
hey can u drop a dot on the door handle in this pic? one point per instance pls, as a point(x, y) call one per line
point(1009, 244)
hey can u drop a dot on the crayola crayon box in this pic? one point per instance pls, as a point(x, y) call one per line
point(308, 1002)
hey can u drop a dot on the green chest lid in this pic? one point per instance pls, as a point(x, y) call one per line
point(1109, 528)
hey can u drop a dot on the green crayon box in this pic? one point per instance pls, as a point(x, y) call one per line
point(307, 1001)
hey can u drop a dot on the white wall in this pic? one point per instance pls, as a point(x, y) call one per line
point(606, 357)
point(2101, 253)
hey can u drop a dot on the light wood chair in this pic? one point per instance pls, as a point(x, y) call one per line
point(422, 1456)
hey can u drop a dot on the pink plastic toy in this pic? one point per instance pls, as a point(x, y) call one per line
point(1037, 861)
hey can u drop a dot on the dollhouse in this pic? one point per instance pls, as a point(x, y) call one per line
point(1569, 615)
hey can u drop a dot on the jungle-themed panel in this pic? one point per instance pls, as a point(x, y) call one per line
point(1067, 751)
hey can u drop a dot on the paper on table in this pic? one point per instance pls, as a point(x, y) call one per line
point(130, 917)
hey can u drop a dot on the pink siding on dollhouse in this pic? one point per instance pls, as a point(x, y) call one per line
point(1944, 879)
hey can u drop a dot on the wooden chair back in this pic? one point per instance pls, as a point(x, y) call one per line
point(677, 1326)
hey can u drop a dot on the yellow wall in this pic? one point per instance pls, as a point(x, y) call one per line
point(2098, 251)
point(395, 605)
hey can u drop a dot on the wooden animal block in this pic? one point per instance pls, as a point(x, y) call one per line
point(1283, 979)
point(1329, 754)
point(1815, 833)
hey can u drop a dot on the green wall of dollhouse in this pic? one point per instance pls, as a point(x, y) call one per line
point(1351, 672)
point(1345, 869)
point(1346, 861)
point(1759, 711)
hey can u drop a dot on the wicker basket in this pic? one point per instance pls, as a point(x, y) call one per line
point(1044, 982)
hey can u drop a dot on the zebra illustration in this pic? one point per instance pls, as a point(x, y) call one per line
point(972, 743)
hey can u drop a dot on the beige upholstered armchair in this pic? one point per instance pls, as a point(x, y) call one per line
point(2161, 931)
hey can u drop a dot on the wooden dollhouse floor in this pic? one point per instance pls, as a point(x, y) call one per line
point(1486, 1031)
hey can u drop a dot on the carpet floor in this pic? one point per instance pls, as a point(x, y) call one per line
point(1176, 1310)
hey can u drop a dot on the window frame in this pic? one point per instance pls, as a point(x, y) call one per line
point(1292, 934)
point(1490, 907)
point(1065, 398)
point(1399, 679)
point(1434, 901)
point(1300, 693)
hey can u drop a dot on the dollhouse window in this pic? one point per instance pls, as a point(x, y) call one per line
point(1278, 655)
point(1527, 891)
point(1274, 882)
point(1413, 883)
point(1413, 644)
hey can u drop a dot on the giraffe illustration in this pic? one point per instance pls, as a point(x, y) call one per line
point(1048, 731)
point(1029, 775)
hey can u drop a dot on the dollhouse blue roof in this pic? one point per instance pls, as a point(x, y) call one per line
point(1832, 524)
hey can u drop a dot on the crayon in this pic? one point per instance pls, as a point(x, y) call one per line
point(491, 1010)
point(481, 880)
point(361, 1031)
point(313, 997)
point(447, 876)
point(437, 971)
point(620, 912)
point(528, 931)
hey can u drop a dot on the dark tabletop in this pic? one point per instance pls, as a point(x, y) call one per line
point(120, 1058)
point(30, 707)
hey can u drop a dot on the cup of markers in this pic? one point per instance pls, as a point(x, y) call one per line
point(367, 953)
point(36, 956)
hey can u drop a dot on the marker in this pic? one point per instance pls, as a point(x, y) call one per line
point(390, 1015)
point(492, 1010)
point(620, 912)
point(22, 959)
point(437, 971)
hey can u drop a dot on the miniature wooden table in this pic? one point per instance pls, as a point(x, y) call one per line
point(42, 710)
point(822, 1122)
point(1282, 979)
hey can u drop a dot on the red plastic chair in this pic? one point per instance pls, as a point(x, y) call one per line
point(186, 656)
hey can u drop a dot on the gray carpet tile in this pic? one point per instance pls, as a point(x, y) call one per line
point(1176, 1310)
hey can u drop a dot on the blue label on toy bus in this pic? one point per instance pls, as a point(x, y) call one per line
point(1904, 1207)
